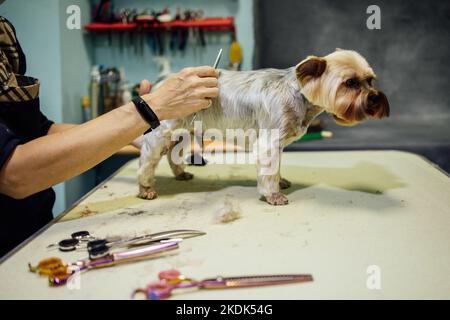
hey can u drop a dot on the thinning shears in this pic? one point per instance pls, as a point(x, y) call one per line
point(98, 247)
point(173, 280)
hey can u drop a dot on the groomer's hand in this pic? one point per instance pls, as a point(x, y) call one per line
point(187, 92)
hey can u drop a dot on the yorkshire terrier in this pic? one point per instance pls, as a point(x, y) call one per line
point(288, 100)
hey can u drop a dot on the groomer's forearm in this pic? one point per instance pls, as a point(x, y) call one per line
point(49, 160)
point(60, 127)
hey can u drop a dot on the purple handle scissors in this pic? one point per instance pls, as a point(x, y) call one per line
point(172, 280)
point(59, 272)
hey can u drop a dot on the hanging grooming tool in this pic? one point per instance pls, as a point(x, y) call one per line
point(184, 32)
point(131, 18)
point(95, 246)
point(59, 272)
point(124, 16)
point(158, 34)
point(161, 18)
point(192, 41)
point(153, 34)
point(146, 22)
point(102, 12)
point(175, 32)
point(172, 280)
point(164, 16)
point(215, 65)
point(145, 17)
point(152, 42)
point(201, 31)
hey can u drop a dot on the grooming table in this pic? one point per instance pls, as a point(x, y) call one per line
point(347, 211)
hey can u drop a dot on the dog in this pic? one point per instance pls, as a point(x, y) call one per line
point(288, 100)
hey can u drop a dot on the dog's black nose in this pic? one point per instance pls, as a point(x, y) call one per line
point(377, 105)
point(374, 99)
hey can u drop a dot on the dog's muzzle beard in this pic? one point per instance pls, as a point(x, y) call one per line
point(373, 105)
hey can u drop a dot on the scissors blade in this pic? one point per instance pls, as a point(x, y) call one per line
point(166, 235)
point(255, 281)
point(179, 234)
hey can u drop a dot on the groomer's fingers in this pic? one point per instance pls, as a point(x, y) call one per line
point(205, 103)
point(207, 92)
point(208, 82)
point(204, 71)
point(145, 87)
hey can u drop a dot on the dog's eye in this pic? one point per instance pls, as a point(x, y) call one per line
point(370, 81)
point(352, 83)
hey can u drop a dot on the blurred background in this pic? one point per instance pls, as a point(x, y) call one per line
point(409, 54)
point(85, 72)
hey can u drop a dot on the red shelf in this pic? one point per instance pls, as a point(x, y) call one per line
point(219, 24)
point(119, 26)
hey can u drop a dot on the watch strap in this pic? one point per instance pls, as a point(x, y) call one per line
point(147, 113)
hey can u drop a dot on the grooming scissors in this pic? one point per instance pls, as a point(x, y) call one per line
point(172, 280)
point(215, 65)
point(98, 247)
point(59, 272)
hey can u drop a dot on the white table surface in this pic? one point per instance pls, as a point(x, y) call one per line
point(347, 211)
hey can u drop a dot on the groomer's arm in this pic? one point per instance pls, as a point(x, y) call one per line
point(60, 127)
point(49, 160)
point(144, 88)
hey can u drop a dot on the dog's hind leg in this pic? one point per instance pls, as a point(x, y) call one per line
point(176, 165)
point(155, 145)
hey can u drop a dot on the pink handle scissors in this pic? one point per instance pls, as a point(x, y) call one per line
point(59, 272)
point(172, 280)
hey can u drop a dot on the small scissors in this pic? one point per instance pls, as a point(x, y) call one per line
point(59, 272)
point(172, 280)
point(98, 247)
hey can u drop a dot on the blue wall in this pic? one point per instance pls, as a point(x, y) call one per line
point(76, 62)
point(62, 58)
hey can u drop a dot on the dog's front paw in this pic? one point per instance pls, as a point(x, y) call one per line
point(285, 184)
point(277, 199)
point(185, 176)
point(147, 193)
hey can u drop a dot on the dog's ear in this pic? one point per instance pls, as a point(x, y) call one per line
point(310, 68)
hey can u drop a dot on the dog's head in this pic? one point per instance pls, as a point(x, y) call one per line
point(341, 82)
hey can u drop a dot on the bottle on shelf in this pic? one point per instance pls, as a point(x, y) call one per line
point(86, 106)
point(95, 91)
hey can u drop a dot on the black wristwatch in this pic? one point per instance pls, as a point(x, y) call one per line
point(147, 113)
